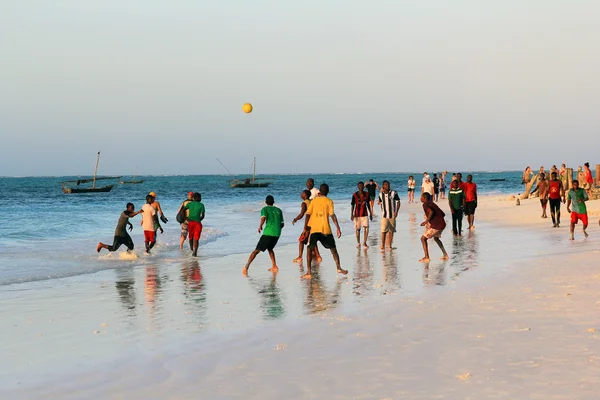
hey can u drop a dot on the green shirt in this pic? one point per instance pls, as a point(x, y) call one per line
point(456, 197)
point(196, 210)
point(274, 218)
point(577, 207)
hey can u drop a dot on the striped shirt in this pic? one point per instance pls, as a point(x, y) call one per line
point(390, 204)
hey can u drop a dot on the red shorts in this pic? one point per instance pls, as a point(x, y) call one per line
point(194, 230)
point(149, 236)
point(579, 217)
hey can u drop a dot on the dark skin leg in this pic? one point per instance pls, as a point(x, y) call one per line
point(273, 261)
point(101, 246)
point(195, 251)
point(192, 244)
point(336, 258)
point(309, 256)
point(439, 243)
point(425, 249)
point(250, 259)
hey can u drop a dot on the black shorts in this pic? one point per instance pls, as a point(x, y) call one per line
point(470, 207)
point(120, 240)
point(555, 203)
point(328, 241)
point(267, 243)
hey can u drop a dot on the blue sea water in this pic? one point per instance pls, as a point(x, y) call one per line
point(47, 234)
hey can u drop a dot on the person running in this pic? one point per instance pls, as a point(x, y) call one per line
point(159, 212)
point(543, 192)
point(428, 186)
point(577, 198)
point(317, 222)
point(360, 212)
point(303, 239)
point(121, 235)
point(411, 190)
point(310, 185)
point(436, 187)
point(589, 180)
point(390, 205)
point(470, 189)
point(147, 223)
point(273, 217)
point(556, 192)
point(443, 185)
point(372, 189)
point(196, 215)
point(456, 200)
point(435, 225)
point(184, 224)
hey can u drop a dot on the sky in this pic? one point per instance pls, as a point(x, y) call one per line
point(336, 85)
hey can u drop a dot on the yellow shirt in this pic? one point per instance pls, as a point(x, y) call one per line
point(320, 209)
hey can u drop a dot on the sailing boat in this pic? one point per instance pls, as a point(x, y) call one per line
point(67, 186)
point(132, 181)
point(253, 182)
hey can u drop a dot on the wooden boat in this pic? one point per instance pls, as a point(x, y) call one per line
point(70, 187)
point(133, 181)
point(498, 180)
point(250, 182)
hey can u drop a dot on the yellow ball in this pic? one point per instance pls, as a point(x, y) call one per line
point(247, 108)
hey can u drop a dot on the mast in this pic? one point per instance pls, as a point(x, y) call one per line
point(95, 171)
point(254, 174)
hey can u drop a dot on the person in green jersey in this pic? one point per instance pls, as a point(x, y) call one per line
point(273, 218)
point(456, 200)
point(576, 206)
point(195, 217)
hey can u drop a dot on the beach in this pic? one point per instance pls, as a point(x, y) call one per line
point(512, 314)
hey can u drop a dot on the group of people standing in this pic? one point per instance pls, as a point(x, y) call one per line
point(553, 191)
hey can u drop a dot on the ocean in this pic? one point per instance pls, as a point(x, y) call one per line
point(48, 235)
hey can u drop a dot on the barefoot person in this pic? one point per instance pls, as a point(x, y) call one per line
point(556, 192)
point(435, 223)
point(389, 202)
point(273, 217)
point(543, 191)
point(147, 223)
point(303, 239)
point(372, 189)
point(411, 189)
point(470, 189)
point(159, 212)
point(196, 215)
point(184, 224)
point(121, 235)
point(360, 212)
point(456, 200)
point(577, 198)
point(317, 222)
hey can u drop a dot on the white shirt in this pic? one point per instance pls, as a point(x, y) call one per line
point(314, 192)
point(148, 217)
point(428, 187)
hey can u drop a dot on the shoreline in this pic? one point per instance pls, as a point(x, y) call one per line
point(423, 323)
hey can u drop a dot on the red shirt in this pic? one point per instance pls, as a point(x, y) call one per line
point(437, 219)
point(470, 190)
point(554, 190)
point(361, 201)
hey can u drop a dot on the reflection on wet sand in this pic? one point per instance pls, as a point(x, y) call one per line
point(193, 282)
point(390, 271)
point(434, 274)
point(317, 297)
point(362, 278)
point(152, 290)
point(271, 304)
point(464, 255)
point(125, 285)
point(412, 218)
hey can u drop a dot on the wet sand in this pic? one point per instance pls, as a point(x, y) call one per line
point(513, 314)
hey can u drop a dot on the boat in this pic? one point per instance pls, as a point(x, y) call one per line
point(133, 181)
point(498, 180)
point(70, 187)
point(250, 182)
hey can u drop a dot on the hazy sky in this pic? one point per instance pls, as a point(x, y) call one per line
point(337, 85)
